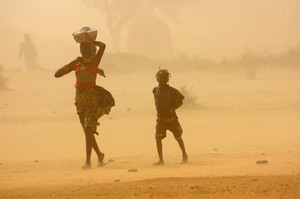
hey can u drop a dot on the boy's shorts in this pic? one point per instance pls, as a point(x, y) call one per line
point(173, 126)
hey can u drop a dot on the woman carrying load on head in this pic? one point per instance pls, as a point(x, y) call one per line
point(90, 100)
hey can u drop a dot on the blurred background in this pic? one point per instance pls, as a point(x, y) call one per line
point(236, 61)
point(196, 32)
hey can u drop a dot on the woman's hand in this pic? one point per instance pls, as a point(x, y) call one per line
point(98, 43)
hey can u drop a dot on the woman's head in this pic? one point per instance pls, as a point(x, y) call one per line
point(87, 49)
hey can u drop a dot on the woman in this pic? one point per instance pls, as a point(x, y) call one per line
point(88, 95)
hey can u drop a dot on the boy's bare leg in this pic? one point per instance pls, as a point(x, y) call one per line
point(182, 147)
point(159, 151)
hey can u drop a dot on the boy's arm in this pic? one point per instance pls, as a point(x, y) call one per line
point(176, 106)
point(177, 102)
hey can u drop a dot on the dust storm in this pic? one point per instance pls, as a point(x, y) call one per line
point(236, 62)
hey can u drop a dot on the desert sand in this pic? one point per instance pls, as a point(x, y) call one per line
point(238, 122)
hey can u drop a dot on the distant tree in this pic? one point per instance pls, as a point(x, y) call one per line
point(291, 57)
point(120, 12)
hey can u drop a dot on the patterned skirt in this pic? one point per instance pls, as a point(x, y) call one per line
point(93, 103)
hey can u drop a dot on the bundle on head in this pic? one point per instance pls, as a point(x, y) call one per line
point(85, 34)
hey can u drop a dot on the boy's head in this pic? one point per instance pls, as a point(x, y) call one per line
point(163, 76)
point(87, 49)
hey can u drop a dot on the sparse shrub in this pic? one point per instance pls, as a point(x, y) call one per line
point(190, 99)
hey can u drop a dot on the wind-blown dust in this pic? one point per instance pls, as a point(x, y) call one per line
point(239, 122)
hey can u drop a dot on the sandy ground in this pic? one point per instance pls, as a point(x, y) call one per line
point(239, 121)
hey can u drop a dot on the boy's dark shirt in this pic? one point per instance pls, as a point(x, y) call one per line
point(166, 98)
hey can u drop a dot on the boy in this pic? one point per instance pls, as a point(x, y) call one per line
point(167, 100)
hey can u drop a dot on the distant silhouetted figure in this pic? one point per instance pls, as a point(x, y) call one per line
point(167, 100)
point(28, 52)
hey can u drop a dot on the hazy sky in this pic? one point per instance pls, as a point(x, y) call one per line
point(217, 28)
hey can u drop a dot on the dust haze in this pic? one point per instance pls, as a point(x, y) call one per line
point(160, 30)
point(237, 63)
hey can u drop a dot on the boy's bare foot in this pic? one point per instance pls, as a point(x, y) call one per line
point(184, 159)
point(86, 167)
point(159, 163)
